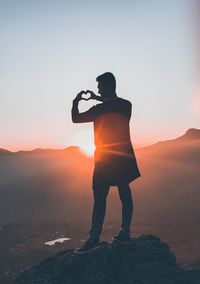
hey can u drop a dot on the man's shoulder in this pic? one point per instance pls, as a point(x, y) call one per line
point(124, 101)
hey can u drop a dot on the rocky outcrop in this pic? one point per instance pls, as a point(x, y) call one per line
point(146, 260)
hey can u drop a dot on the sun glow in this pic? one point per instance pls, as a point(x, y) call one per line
point(84, 138)
point(88, 148)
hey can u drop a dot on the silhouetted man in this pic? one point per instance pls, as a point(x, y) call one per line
point(115, 162)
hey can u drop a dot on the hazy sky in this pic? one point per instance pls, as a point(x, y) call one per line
point(50, 50)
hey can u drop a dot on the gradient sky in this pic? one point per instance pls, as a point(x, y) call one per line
point(50, 50)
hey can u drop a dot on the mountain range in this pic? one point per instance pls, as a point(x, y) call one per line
point(34, 183)
point(47, 194)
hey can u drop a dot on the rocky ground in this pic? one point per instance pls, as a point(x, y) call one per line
point(146, 260)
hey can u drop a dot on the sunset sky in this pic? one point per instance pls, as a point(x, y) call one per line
point(50, 50)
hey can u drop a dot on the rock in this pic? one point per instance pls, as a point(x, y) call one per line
point(146, 260)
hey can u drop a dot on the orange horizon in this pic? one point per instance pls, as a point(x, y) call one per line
point(85, 140)
point(57, 147)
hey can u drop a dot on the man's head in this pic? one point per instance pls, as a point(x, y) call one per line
point(106, 85)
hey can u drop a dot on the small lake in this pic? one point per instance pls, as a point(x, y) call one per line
point(60, 240)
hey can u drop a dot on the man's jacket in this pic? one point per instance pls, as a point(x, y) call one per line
point(114, 156)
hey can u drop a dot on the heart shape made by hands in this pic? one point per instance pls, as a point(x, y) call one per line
point(86, 96)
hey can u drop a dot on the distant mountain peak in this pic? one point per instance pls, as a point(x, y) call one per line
point(191, 134)
point(4, 151)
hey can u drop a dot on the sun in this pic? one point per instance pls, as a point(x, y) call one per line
point(88, 148)
point(85, 140)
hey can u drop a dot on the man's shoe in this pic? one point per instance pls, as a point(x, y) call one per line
point(90, 245)
point(121, 238)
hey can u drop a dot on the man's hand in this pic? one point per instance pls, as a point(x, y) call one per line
point(93, 96)
point(79, 96)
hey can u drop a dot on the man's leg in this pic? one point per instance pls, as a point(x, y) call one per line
point(100, 193)
point(127, 207)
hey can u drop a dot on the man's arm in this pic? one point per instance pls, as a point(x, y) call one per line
point(86, 116)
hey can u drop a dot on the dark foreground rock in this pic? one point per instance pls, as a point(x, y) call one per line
point(146, 260)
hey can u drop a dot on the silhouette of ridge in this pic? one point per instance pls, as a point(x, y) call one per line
point(42, 150)
point(190, 134)
point(3, 150)
point(145, 260)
